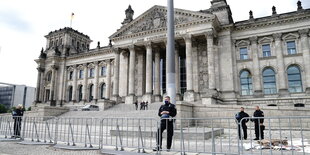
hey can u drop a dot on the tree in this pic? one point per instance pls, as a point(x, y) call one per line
point(3, 109)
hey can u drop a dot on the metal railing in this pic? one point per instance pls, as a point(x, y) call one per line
point(282, 135)
point(276, 135)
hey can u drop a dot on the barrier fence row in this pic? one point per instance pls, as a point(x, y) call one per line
point(276, 135)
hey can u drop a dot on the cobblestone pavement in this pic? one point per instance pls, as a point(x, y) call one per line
point(13, 148)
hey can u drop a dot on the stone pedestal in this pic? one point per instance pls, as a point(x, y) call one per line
point(208, 101)
point(184, 110)
point(117, 99)
point(148, 97)
point(131, 99)
point(158, 98)
point(178, 97)
point(189, 96)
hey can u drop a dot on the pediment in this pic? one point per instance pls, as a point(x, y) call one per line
point(156, 18)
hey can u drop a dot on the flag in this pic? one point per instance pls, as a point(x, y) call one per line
point(72, 15)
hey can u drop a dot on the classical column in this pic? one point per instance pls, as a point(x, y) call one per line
point(63, 93)
point(108, 82)
point(116, 76)
point(189, 94)
point(157, 76)
point(177, 73)
point(96, 81)
point(42, 88)
point(132, 62)
point(256, 71)
point(149, 73)
point(53, 84)
point(84, 98)
point(211, 68)
point(281, 66)
point(38, 90)
point(74, 85)
point(306, 56)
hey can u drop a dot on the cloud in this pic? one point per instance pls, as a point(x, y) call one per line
point(13, 20)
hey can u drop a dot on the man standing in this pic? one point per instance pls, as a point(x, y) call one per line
point(165, 112)
point(136, 105)
point(258, 123)
point(242, 125)
point(17, 116)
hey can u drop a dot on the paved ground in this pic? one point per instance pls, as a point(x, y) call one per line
point(13, 148)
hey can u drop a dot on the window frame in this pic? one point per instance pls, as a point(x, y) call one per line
point(264, 51)
point(249, 83)
point(290, 87)
point(241, 54)
point(288, 49)
point(274, 89)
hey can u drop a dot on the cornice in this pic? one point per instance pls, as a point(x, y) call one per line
point(272, 20)
point(90, 54)
point(163, 29)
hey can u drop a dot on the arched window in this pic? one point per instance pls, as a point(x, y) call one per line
point(90, 97)
point(103, 91)
point(294, 79)
point(246, 83)
point(80, 93)
point(269, 80)
point(70, 93)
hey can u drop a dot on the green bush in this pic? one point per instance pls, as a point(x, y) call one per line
point(29, 109)
point(3, 109)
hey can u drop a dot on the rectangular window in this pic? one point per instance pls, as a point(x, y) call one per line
point(244, 53)
point(103, 71)
point(70, 75)
point(91, 72)
point(81, 75)
point(291, 47)
point(266, 50)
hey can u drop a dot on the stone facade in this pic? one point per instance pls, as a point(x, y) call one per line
point(218, 61)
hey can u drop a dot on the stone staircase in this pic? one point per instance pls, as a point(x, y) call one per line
point(119, 110)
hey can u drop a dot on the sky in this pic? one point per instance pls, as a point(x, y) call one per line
point(24, 23)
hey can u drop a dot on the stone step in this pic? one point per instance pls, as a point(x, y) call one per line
point(188, 133)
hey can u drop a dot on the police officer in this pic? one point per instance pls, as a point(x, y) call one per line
point(165, 112)
point(242, 125)
point(258, 123)
point(17, 116)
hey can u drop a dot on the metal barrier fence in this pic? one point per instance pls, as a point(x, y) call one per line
point(276, 135)
point(282, 135)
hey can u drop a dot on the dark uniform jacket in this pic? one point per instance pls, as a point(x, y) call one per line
point(258, 113)
point(241, 115)
point(17, 114)
point(168, 107)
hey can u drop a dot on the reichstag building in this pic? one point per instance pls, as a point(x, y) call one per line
point(262, 60)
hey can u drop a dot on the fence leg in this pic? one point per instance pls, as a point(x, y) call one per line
point(70, 126)
point(182, 139)
point(36, 130)
point(48, 131)
point(140, 132)
point(120, 138)
point(23, 131)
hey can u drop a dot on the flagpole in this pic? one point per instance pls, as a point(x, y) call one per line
point(170, 58)
point(72, 15)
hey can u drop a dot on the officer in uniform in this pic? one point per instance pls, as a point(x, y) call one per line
point(240, 117)
point(17, 116)
point(165, 112)
point(258, 123)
